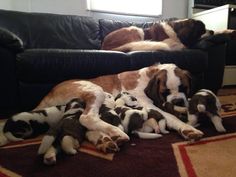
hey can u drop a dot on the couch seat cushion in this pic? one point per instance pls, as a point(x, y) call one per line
point(195, 61)
point(53, 65)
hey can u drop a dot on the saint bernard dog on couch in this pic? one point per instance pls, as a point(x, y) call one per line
point(172, 35)
point(140, 83)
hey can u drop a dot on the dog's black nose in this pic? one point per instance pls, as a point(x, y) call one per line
point(178, 102)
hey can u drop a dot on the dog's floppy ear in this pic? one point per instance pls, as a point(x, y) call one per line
point(153, 90)
point(188, 81)
point(185, 78)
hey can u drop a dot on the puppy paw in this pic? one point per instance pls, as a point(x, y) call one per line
point(191, 134)
point(50, 156)
point(221, 129)
point(165, 131)
point(107, 145)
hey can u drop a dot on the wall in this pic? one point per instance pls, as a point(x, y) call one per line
point(171, 8)
point(6, 4)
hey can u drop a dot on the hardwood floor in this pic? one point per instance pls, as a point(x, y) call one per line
point(227, 90)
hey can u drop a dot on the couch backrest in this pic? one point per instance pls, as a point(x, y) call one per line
point(107, 26)
point(43, 30)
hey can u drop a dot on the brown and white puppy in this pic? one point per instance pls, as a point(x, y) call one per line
point(135, 82)
point(172, 35)
point(205, 102)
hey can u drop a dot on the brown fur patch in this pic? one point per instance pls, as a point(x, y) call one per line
point(156, 33)
point(120, 37)
point(64, 92)
point(188, 30)
point(152, 70)
point(129, 79)
point(184, 77)
point(162, 77)
point(108, 83)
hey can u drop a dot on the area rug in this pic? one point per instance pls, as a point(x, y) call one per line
point(228, 105)
point(169, 156)
point(211, 157)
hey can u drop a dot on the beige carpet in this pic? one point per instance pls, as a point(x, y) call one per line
point(211, 157)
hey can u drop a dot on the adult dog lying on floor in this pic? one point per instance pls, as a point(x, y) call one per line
point(172, 35)
point(163, 77)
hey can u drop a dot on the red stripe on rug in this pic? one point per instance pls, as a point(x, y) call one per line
point(187, 161)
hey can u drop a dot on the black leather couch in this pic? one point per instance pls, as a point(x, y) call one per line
point(39, 50)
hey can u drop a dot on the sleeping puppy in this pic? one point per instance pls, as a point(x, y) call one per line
point(67, 135)
point(146, 123)
point(107, 112)
point(31, 124)
point(205, 102)
point(172, 35)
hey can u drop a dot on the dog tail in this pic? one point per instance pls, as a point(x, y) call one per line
point(145, 135)
point(201, 108)
point(47, 141)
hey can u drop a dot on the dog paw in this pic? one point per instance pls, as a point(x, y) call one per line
point(191, 134)
point(165, 131)
point(50, 157)
point(71, 151)
point(107, 145)
point(221, 129)
point(50, 160)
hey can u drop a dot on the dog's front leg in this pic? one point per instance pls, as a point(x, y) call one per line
point(217, 121)
point(192, 120)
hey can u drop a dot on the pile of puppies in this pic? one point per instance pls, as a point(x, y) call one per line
point(64, 131)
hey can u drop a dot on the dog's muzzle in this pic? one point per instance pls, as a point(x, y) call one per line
point(178, 99)
point(178, 102)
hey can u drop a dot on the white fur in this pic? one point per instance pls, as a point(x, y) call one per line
point(167, 45)
point(69, 145)
point(46, 143)
point(217, 121)
point(146, 135)
point(11, 137)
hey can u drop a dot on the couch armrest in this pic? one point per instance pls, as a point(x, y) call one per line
point(215, 46)
point(10, 40)
point(211, 41)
